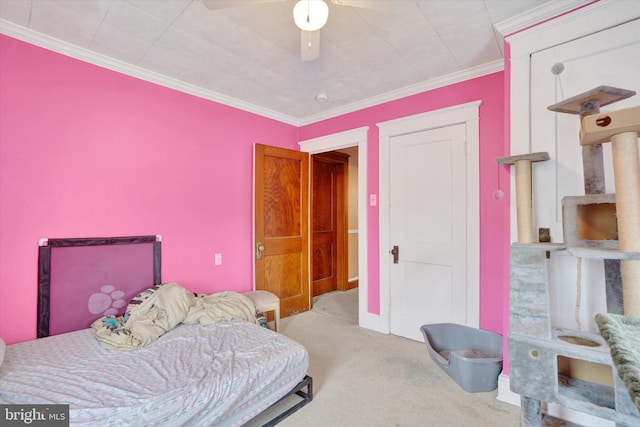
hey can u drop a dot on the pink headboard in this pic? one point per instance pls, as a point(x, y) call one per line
point(82, 279)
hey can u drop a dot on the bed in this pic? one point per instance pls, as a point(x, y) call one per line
point(221, 373)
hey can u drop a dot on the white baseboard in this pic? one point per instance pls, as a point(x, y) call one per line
point(506, 395)
point(373, 322)
point(504, 391)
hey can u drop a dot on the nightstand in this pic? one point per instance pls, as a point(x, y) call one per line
point(266, 301)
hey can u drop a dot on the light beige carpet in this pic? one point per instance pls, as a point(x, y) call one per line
point(364, 378)
point(340, 304)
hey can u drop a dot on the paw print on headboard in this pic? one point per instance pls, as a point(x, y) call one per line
point(107, 301)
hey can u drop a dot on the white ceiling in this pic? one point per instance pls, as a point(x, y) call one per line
point(248, 54)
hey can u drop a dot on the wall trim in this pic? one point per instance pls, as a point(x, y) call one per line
point(587, 20)
point(449, 79)
point(468, 114)
point(534, 16)
point(504, 391)
point(336, 141)
point(47, 42)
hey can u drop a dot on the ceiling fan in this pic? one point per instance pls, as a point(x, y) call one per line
point(309, 15)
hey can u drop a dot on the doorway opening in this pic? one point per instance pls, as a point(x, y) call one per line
point(329, 220)
point(355, 140)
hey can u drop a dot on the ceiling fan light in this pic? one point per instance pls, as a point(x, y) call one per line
point(310, 15)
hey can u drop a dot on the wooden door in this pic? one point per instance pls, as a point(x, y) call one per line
point(428, 225)
point(281, 226)
point(329, 222)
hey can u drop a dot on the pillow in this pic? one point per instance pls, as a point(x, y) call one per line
point(2, 347)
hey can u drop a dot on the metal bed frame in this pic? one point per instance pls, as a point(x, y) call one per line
point(297, 390)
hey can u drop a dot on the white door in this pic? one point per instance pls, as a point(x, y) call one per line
point(427, 195)
point(610, 58)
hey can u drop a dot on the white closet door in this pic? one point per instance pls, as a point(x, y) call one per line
point(610, 57)
point(428, 218)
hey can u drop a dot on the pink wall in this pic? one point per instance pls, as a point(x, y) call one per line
point(494, 214)
point(85, 152)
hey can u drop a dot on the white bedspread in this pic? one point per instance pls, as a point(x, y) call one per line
point(220, 374)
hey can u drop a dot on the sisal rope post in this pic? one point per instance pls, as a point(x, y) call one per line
point(626, 167)
point(621, 128)
point(524, 199)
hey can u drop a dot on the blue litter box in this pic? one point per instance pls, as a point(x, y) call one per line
point(471, 357)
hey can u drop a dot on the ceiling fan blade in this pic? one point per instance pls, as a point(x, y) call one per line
point(309, 45)
point(223, 4)
point(365, 4)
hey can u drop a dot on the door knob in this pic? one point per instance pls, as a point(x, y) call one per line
point(395, 252)
point(259, 250)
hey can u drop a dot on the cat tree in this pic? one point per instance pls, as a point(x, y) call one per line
point(538, 350)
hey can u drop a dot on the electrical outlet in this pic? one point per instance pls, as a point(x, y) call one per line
point(218, 259)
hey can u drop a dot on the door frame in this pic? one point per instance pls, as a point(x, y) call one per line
point(469, 115)
point(577, 24)
point(564, 27)
point(352, 138)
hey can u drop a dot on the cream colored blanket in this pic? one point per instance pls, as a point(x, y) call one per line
point(156, 311)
